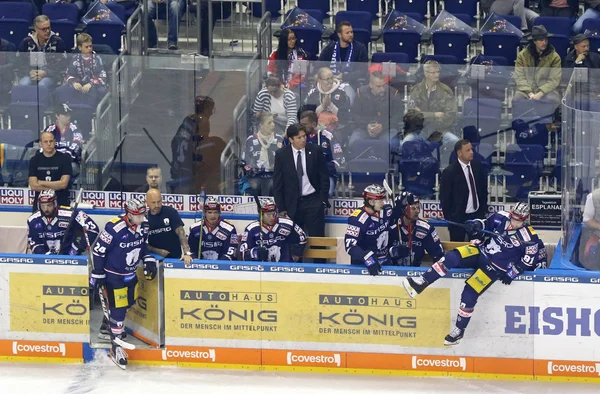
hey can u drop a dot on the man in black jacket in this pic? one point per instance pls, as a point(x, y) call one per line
point(581, 57)
point(301, 183)
point(463, 190)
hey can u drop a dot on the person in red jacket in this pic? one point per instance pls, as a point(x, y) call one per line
point(282, 60)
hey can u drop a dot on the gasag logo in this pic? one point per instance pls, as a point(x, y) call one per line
point(25, 348)
point(320, 359)
point(187, 354)
point(437, 363)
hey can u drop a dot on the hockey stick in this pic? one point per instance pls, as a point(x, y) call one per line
point(388, 189)
point(464, 226)
point(64, 238)
point(203, 195)
point(104, 301)
point(260, 218)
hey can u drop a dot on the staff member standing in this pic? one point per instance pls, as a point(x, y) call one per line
point(50, 169)
point(463, 190)
point(167, 235)
point(301, 183)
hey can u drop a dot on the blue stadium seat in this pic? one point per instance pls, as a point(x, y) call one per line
point(537, 136)
point(118, 10)
point(421, 7)
point(467, 7)
point(505, 45)
point(403, 41)
point(555, 24)
point(273, 6)
point(14, 30)
point(66, 31)
point(528, 110)
point(398, 58)
point(591, 24)
point(468, 19)
point(418, 169)
point(495, 80)
point(453, 43)
point(525, 162)
point(358, 19)
point(595, 44)
point(560, 44)
point(61, 12)
point(106, 33)
point(308, 38)
point(317, 14)
point(513, 20)
point(17, 137)
point(484, 113)
point(17, 10)
point(370, 6)
point(322, 5)
point(27, 107)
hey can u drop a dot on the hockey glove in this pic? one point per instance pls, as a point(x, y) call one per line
point(97, 279)
point(149, 267)
point(373, 265)
point(514, 270)
point(74, 250)
point(474, 228)
point(260, 253)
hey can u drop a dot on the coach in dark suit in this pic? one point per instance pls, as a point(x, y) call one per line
point(301, 183)
point(463, 190)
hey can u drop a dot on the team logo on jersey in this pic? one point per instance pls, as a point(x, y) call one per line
point(271, 235)
point(420, 234)
point(515, 241)
point(62, 225)
point(221, 236)
point(324, 145)
point(353, 231)
point(166, 220)
point(284, 232)
point(105, 237)
point(234, 239)
point(209, 236)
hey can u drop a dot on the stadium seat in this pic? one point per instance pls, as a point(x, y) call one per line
point(560, 44)
point(513, 20)
point(421, 7)
point(14, 30)
point(537, 136)
point(17, 137)
point(495, 80)
point(468, 19)
point(418, 169)
point(466, 7)
point(484, 113)
point(408, 42)
point(309, 39)
point(118, 10)
point(106, 33)
point(66, 31)
point(370, 6)
point(317, 14)
point(358, 20)
point(398, 58)
point(591, 24)
point(17, 10)
point(505, 45)
point(315, 5)
point(595, 44)
point(528, 110)
point(453, 43)
point(525, 162)
point(27, 107)
point(61, 12)
point(449, 73)
point(272, 6)
point(555, 24)
point(482, 152)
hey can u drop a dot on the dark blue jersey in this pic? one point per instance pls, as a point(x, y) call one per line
point(219, 243)
point(508, 246)
point(46, 235)
point(284, 240)
point(414, 241)
point(368, 235)
point(162, 233)
point(119, 249)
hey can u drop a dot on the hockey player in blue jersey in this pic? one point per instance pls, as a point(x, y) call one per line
point(410, 235)
point(367, 234)
point(219, 237)
point(47, 227)
point(503, 254)
point(280, 239)
point(116, 255)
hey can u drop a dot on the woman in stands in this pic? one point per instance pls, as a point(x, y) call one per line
point(282, 60)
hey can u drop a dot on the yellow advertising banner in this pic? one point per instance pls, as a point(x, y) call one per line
point(145, 311)
point(305, 312)
point(54, 303)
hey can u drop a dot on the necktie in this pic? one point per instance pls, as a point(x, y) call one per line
point(473, 191)
point(299, 170)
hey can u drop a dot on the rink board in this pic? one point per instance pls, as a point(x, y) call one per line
point(320, 318)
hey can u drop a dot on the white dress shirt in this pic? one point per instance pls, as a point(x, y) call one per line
point(307, 187)
point(470, 203)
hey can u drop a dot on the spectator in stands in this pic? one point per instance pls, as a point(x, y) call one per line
point(593, 11)
point(174, 10)
point(86, 78)
point(437, 103)
point(332, 150)
point(463, 190)
point(562, 8)
point(69, 140)
point(50, 169)
point(258, 157)
point(7, 69)
point(413, 125)
point(511, 7)
point(537, 70)
point(153, 180)
point(44, 69)
point(276, 99)
point(329, 101)
point(376, 111)
point(581, 57)
point(344, 51)
point(590, 233)
point(282, 62)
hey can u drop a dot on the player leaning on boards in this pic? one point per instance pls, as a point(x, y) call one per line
point(504, 251)
point(367, 234)
point(219, 238)
point(116, 255)
point(58, 230)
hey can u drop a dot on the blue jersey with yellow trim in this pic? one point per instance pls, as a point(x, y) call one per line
point(414, 241)
point(119, 249)
point(368, 235)
point(219, 243)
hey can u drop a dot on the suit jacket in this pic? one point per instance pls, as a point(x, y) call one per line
point(285, 178)
point(454, 191)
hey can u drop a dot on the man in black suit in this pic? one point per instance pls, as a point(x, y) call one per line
point(463, 190)
point(301, 183)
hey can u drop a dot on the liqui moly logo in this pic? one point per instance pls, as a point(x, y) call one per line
point(439, 363)
point(174, 201)
point(345, 207)
point(12, 196)
point(573, 368)
point(314, 359)
point(97, 199)
point(196, 355)
point(31, 197)
point(229, 202)
point(432, 210)
point(116, 200)
point(36, 349)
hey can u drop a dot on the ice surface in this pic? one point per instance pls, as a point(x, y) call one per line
point(102, 376)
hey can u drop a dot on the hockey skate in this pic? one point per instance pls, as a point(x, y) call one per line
point(414, 286)
point(105, 332)
point(454, 337)
point(118, 356)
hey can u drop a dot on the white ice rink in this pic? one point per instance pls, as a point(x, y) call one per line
point(102, 377)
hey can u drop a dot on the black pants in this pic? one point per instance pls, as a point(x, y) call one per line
point(566, 12)
point(458, 234)
point(310, 215)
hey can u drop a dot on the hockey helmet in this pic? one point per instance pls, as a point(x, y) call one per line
point(374, 192)
point(267, 204)
point(520, 212)
point(46, 196)
point(212, 204)
point(135, 207)
point(404, 201)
